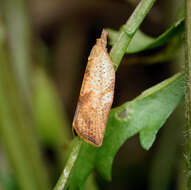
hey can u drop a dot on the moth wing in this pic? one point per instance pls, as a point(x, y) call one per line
point(96, 96)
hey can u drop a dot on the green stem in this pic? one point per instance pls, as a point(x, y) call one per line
point(188, 87)
point(116, 54)
point(62, 182)
point(128, 30)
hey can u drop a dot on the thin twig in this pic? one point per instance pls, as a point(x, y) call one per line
point(188, 87)
point(62, 182)
point(128, 30)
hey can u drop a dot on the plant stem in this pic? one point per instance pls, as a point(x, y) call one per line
point(128, 30)
point(188, 87)
point(116, 54)
point(62, 182)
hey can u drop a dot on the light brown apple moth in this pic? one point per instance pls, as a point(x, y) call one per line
point(96, 95)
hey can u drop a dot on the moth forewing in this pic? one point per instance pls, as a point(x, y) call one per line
point(96, 95)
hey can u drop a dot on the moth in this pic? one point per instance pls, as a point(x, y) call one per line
point(96, 94)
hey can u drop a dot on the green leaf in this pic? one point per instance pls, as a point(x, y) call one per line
point(150, 109)
point(170, 52)
point(52, 123)
point(141, 41)
point(160, 113)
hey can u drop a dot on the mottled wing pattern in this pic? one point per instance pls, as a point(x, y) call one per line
point(96, 95)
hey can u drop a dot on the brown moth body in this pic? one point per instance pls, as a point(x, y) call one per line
point(96, 95)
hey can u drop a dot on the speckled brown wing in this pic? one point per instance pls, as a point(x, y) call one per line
point(96, 95)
